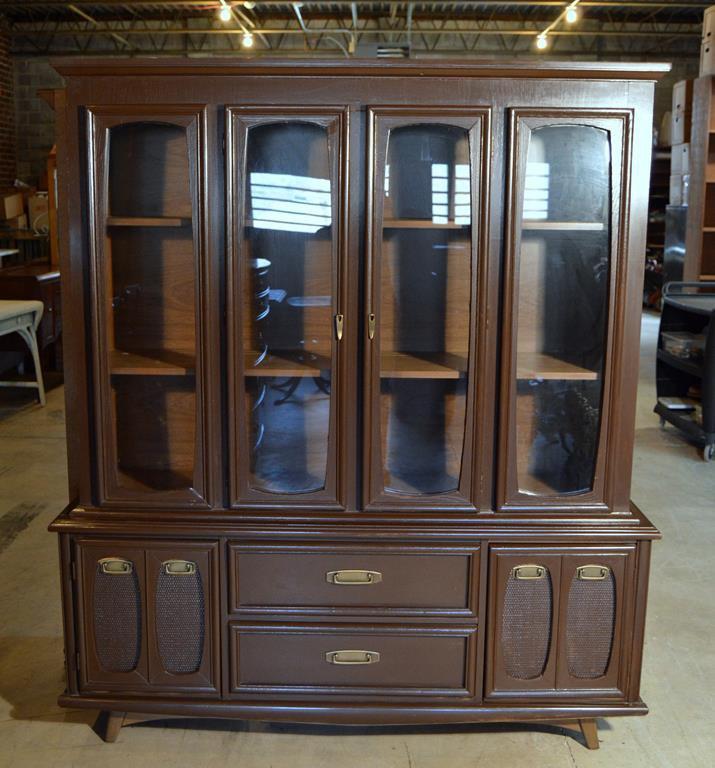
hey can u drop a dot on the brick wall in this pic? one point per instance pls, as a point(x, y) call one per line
point(7, 111)
point(35, 119)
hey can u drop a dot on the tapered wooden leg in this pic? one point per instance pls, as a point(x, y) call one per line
point(113, 725)
point(589, 729)
point(586, 727)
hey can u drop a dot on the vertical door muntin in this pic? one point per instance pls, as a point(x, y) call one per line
point(617, 127)
point(239, 122)
point(100, 121)
point(381, 122)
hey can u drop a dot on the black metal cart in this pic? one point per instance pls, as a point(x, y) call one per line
point(685, 367)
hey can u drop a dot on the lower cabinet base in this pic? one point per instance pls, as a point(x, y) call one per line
point(578, 719)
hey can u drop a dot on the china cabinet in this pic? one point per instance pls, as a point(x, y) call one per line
point(350, 389)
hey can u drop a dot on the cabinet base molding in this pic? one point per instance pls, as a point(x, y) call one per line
point(116, 713)
point(110, 722)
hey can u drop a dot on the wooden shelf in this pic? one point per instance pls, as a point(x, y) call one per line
point(418, 365)
point(147, 221)
point(562, 226)
point(539, 366)
point(285, 363)
point(151, 362)
point(421, 224)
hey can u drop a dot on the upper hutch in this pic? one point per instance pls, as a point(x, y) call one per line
point(351, 361)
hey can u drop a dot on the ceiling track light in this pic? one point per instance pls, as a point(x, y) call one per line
point(225, 12)
point(247, 40)
point(249, 5)
point(542, 41)
point(571, 15)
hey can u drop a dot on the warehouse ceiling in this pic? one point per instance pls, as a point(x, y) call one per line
point(619, 30)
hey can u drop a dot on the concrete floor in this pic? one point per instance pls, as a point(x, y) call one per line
point(671, 483)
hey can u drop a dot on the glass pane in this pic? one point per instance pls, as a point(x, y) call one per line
point(424, 312)
point(288, 305)
point(152, 331)
point(562, 308)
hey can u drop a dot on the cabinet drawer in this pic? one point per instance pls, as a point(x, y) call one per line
point(353, 580)
point(355, 660)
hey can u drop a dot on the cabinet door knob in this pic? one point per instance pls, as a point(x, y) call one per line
point(179, 567)
point(353, 577)
point(592, 572)
point(116, 566)
point(352, 657)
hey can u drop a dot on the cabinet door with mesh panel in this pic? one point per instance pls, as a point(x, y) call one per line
point(148, 616)
point(594, 605)
point(560, 618)
point(182, 582)
point(112, 631)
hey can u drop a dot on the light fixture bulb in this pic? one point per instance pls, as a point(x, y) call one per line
point(571, 15)
point(541, 42)
point(247, 40)
point(249, 5)
point(225, 13)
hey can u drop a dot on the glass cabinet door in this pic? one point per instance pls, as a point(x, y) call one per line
point(561, 272)
point(286, 225)
point(424, 230)
point(147, 219)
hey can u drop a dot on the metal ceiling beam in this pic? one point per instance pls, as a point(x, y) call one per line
point(209, 4)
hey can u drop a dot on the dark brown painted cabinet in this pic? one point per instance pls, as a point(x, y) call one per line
point(350, 391)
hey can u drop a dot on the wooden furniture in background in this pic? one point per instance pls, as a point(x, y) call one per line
point(700, 241)
point(302, 486)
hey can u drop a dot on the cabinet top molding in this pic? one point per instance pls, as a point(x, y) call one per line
point(524, 68)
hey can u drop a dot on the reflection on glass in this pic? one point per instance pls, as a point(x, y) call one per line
point(562, 308)
point(287, 306)
point(425, 287)
point(151, 341)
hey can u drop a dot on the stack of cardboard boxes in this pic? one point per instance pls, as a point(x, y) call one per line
point(21, 210)
point(681, 120)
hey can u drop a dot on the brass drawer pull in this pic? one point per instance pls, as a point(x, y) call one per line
point(339, 322)
point(116, 566)
point(352, 657)
point(179, 567)
point(528, 572)
point(592, 572)
point(354, 578)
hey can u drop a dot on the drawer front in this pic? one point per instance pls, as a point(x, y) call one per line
point(354, 580)
point(375, 661)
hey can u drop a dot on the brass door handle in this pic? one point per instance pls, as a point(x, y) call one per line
point(179, 567)
point(592, 572)
point(351, 578)
point(116, 566)
point(529, 571)
point(352, 657)
point(339, 322)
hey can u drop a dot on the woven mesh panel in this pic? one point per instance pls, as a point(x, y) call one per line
point(590, 623)
point(117, 620)
point(180, 621)
point(526, 626)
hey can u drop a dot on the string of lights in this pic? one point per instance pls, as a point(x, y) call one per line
point(570, 15)
point(226, 14)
